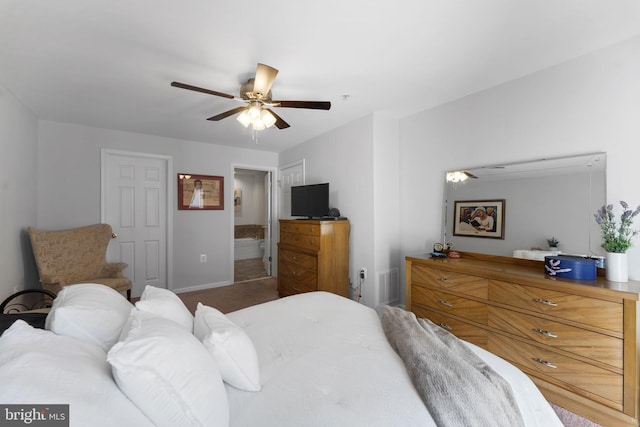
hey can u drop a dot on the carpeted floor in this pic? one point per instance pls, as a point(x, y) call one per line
point(569, 419)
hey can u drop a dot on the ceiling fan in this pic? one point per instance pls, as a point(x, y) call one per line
point(459, 176)
point(256, 93)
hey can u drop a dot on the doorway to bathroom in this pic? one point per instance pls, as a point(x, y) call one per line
point(252, 213)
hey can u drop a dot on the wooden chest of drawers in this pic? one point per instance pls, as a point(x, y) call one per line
point(577, 340)
point(313, 256)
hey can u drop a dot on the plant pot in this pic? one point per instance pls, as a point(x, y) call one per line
point(617, 267)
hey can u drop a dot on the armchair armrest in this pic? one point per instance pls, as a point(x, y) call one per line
point(114, 269)
point(52, 280)
point(52, 283)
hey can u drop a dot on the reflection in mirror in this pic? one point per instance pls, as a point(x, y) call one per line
point(543, 199)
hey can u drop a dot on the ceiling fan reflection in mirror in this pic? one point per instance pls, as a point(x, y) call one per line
point(256, 94)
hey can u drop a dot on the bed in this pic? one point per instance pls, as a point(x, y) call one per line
point(314, 359)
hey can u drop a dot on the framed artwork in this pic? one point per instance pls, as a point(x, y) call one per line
point(479, 218)
point(200, 192)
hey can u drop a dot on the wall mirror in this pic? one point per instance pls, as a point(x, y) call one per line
point(540, 199)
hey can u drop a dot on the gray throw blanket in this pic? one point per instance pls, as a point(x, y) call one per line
point(457, 387)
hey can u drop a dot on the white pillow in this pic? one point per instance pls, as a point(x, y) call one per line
point(167, 373)
point(164, 303)
point(90, 312)
point(38, 366)
point(230, 347)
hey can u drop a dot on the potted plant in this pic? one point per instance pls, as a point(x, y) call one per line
point(617, 239)
point(553, 243)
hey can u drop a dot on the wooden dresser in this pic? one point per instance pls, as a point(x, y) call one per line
point(313, 256)
point(577, 340)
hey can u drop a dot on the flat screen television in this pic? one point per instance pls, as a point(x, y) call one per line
point(311, 201)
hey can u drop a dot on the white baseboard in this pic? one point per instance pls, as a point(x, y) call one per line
point(201, 287)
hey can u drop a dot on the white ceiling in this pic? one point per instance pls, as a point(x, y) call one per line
point(109, 63)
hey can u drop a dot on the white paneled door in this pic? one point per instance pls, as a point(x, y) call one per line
point(135, 205)
point(290, 176)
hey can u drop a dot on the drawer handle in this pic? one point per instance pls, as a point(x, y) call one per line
point(295, 258)
point(445, 303)
point(546, 333)
point(444, 326)
point(444, 279)
point(545, 302)
point(544, 362)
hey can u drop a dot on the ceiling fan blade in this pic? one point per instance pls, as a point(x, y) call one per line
point(227, 114)
point(265, 76)
point(314, 105)
point(280, 124)
point(199, 89)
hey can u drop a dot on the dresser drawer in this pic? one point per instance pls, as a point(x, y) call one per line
point(554, 367)
point(300, 228)
point(310, 262)
point(462, 330)
point(307, 277)
point(451, 304)
point(463, 283)
point(589, 311)
point(592, 345)
point(304, 241)
point(291, 286)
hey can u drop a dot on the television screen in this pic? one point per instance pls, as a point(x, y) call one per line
point(310, 200)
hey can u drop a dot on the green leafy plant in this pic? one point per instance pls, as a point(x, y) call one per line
point(553, 242)
point(616, 237)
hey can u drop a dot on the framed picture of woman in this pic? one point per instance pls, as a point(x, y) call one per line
point(200, 192)
point(479, 218)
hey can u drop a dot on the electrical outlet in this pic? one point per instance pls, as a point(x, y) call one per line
point(363, 273)
point(203, 257)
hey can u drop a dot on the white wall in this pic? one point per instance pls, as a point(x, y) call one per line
point(585, 105)
point(252, 208)
point(386, 209)
point(18, 189)
point(344, 159)
point(69, 192)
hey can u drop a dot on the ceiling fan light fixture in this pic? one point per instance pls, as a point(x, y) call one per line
point(456, 176)
point(262, 120)
point(254, 111)
point(267, 118)
point(243, 118)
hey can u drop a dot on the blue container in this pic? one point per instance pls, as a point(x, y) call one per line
point(570, 267)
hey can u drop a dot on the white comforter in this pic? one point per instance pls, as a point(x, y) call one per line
point(325, 361)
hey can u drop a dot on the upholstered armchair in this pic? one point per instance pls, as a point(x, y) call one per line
point(77, 255)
